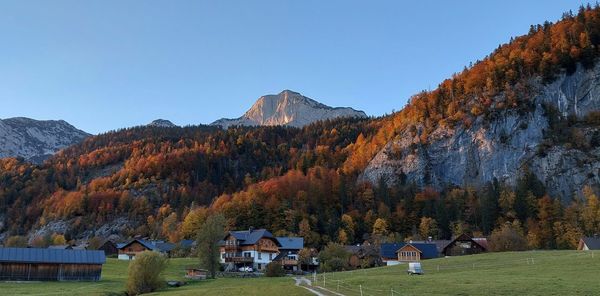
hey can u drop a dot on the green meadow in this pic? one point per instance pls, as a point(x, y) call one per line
point(514, 273)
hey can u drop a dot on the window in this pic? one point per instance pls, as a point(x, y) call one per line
point(223, 255)
point(259, 255)
point(270, 256)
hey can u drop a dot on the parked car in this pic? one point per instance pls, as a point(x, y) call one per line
point(414, 268)
point(246, 269)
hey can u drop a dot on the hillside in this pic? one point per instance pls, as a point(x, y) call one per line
point(514, 138)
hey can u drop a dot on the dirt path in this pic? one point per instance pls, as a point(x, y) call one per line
point(306, 284)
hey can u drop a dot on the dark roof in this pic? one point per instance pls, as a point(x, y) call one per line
point(465, 237)
point(34, 255)
point(252, 236)
point(159, 246)
point(291, 243)
point(428, 250)
point(352, 249)
point(187, 243)
point(593, 243)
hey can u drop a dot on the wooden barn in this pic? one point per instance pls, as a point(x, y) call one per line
point(31, 264)
point(109, 248)
point(463, 245)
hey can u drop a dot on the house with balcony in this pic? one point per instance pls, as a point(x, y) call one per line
point(249, 248)
point(288, 252)
point(128, 250)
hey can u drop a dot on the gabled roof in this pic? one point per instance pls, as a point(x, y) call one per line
point(34, 255)
point(428, 250)
point(593, 243)
point(252, 236)
point(389, 250)
point(291, 243)
point(158, 246)
point(465, 237)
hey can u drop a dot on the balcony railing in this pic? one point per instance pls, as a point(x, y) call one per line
point(239, 259)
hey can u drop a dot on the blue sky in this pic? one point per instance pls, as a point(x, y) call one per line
point(103, 65)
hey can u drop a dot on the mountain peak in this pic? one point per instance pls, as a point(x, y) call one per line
point(288, 108)
point(161, 123)
point(36, 140)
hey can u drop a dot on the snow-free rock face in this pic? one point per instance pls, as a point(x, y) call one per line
point(161, 123)
point(288, 108)
point(36, 140)
point(502, 147)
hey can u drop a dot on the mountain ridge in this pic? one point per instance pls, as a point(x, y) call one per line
point(36, 140)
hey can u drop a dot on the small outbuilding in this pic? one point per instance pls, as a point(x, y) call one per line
point(109, 248)
point(195, 273)
point(463, 245)
point(589, 243)
point(31, 264)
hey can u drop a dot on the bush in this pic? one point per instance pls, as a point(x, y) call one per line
point(144, 273)
point(16, 241)
point(274, 269)
point(508, 238)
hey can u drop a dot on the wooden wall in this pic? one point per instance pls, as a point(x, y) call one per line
point(49, 272)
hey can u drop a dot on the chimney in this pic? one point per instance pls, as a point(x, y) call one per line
point(429, 239)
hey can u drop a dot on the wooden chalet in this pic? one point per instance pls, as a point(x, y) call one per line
point(129, 250)
point(253, 248)
point(32, 264)
point(463, 245)
point(395, 253)
point(109, 248)
point(288, 252)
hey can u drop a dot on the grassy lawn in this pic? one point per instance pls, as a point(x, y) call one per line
point(114, 275)
point(550, 273)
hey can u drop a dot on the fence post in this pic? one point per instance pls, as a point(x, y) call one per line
point(338, 288)
point(473, 265)
point(315, 277)
point(392, 289)
point(438, 268)
point(360, 287)
point(323, 280)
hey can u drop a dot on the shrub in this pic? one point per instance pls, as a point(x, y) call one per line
point(144, 273)
point(274, 269)
point(16, 241)
point(508, 238)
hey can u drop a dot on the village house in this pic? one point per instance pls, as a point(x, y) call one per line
point(395, 253)
point(32, 264)
point(128, 251)
point(589, 243)
point(288, 252)
point(253, 248)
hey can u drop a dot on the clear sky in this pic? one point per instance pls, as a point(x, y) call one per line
point(103, 65)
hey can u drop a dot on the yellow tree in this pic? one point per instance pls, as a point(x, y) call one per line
point(428, 227)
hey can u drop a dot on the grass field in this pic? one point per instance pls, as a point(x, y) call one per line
point(522, 273)
point(515, 273)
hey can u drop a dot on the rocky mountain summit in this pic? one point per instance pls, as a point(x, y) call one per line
point(36, 140)
point(288, 108)
point(501, 148)
point(161, 123)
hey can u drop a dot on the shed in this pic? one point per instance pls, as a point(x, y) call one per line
point(463, 245)
point(589, 243)
point(31, 264)
point(196, 273)
point(109, 248)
